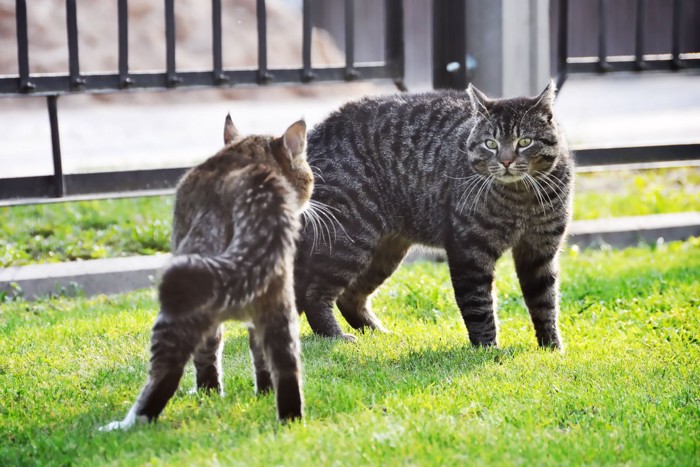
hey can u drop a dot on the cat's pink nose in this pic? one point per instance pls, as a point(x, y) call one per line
point(506, 164)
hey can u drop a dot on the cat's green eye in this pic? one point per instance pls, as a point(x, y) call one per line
point(524, 142)
point(491, 144)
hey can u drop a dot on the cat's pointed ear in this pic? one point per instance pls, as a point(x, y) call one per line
point(294, 139)
point(230, 130)
point(546, 99)
point(478, 99)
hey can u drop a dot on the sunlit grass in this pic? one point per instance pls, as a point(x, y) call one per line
point(125, 227)
point(636, 193)
point(626, 390)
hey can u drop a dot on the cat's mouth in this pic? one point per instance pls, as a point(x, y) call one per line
point(506, 175)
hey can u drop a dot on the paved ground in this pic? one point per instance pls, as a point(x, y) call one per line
point(625, 110)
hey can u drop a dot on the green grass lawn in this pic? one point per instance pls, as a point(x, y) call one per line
point(626, 390)
point(126, 227)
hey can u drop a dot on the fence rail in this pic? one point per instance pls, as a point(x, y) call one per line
point(25, 83)
point(640, 61)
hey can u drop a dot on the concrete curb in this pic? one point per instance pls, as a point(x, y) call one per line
point(98, 276)
point(630, 231)
point(117, 275)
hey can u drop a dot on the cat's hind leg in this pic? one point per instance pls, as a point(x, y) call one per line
point(261, 370)
point(172, 343)
point(207, 361)
point(276, 324)
point(321, 277)
point(354, 302)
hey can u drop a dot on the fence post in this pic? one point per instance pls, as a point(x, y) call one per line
point(509, 45)
point(449, 44)
point(58, 180)
point(394, 45)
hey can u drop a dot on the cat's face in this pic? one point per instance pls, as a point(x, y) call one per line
point(513, 138)
point(287, 153)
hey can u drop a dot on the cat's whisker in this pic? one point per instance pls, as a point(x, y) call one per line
point(462, 178)
point(540, 198)
point(486, 188)
point(482, 182)
point(471, 184)
point(476, 189)
point(323, 219)
point(528, 180)
point(317, 172)
point(558, 183)
point(323, 205)
point(552, 185)
point(544, 192)
point(309, 216)
point(325, 210)
point(469, 181)
point(475, 199)
point(319, 234)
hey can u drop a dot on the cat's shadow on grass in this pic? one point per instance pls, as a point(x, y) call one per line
point(337, 378)
point(352, 380)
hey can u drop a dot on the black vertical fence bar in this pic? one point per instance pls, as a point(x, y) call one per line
point(602, 35)
point(76, 80)
point(350, 72)
point(219, 76)
point(449, 44)
point(394, 54)
point(22, 46)
point(123, 23)
point(562, 43)
point(58, 182)
point(306, 74)
point(171, 74)
point(676, 34)
point(264, 76)
point(639, 35)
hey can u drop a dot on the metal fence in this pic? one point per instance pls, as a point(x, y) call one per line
point(639, 61)
point(60, 185)
point(448, 64)
point(672, 61)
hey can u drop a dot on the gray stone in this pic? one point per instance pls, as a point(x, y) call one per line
point(630, 231)
point(99, 276)
point(118, 275)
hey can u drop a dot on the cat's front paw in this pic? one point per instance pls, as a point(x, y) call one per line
point(490, 344)
point(553, 345)
point(549, 340)
point(348, 337)
point(130, 420)
point(374, 327)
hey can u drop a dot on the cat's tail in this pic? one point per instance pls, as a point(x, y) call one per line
point(261, 249)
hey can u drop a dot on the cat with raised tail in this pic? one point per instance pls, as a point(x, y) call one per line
point(235, 226)
point(455, 170)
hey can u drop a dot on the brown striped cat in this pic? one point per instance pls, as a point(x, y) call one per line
point(455, 170)
point(235, 225)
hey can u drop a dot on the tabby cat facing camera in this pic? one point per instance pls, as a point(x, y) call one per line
point(456, 170)
point(235, 226)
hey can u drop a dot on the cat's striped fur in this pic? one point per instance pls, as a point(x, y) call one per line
point(235, 228)
point(416, 169)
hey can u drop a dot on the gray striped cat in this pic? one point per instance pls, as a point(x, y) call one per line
point(456, 170)
point(235, 228)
